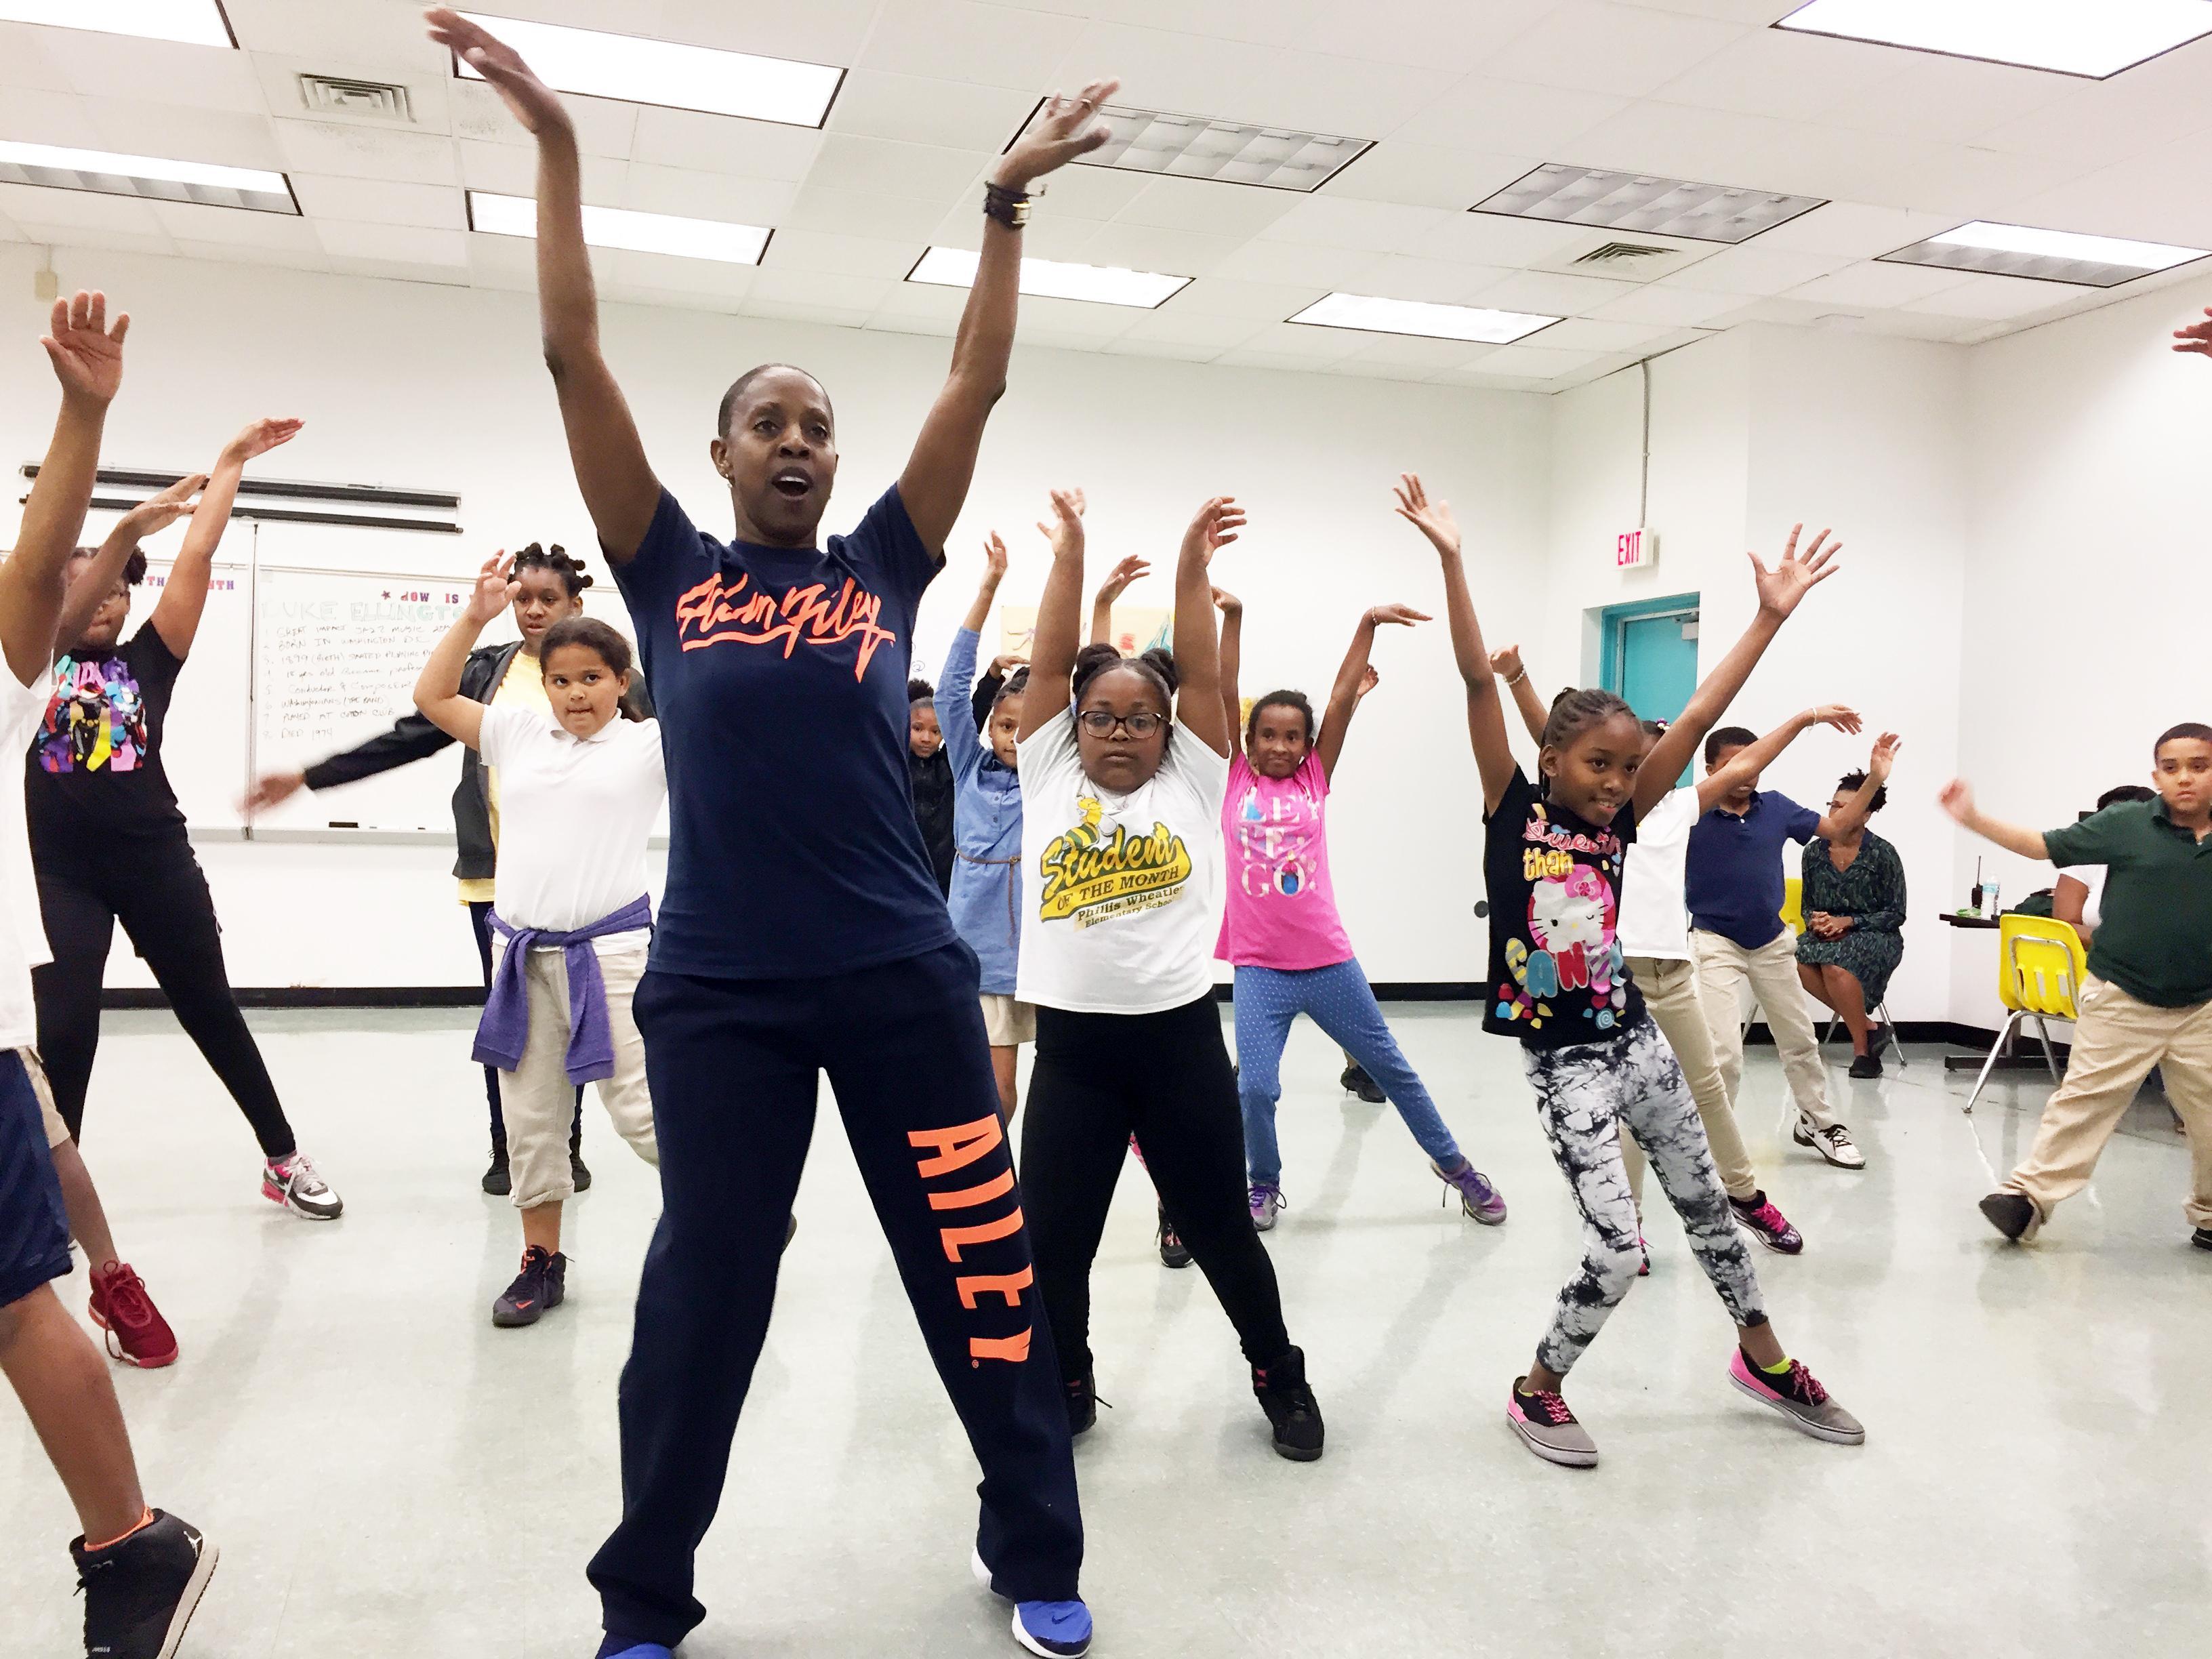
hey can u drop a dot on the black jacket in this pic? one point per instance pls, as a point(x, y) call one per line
point(413, 736)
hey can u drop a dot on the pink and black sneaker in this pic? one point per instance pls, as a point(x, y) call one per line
point(1757, 1217)
point(294, 1182)
point(1541, 1418)
point(1798, 1395)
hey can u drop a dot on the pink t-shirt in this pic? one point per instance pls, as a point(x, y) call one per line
point(1282, 906)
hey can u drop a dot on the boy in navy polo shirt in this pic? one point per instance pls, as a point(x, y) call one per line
point(2148, 1001)
point(1733, 884)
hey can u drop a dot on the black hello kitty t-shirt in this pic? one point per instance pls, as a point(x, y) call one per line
point(1557, 977)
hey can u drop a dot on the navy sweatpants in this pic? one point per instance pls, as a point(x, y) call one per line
point(734, 1066)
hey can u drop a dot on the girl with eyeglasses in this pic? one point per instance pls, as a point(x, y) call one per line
point(1121, 860)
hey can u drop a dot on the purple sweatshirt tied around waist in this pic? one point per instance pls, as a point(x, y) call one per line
point(504, 1031)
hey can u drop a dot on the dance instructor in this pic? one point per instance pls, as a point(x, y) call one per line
point(802, 930)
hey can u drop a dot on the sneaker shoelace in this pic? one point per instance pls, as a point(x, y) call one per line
point(1475, 1184)
point(298, 1172)
point(1766, 1217)
point(1551, 1408)
point(1806, 1386)
point(127, 1301)
point(1261, 1195)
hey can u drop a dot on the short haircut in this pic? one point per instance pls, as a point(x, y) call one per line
point(740, 387)
point(1726, 737)
point(1574, 712)
point(2126, 791)
point(919, 690)
point(1850, 782)
point(2186, 731)
point(1297, 699)
point(601, 639)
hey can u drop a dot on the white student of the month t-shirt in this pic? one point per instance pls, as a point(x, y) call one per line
point(1654, 915)
point(575, 814)
point(1121, 894)
point(22, 928)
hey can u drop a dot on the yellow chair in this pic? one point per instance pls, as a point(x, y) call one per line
point(2040, 968)
point(1793, 903)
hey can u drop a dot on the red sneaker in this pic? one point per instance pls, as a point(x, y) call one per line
point(137, 1333)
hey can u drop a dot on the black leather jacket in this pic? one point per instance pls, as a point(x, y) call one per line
point(413, 736)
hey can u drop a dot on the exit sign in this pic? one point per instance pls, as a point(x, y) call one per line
point(1634, 549)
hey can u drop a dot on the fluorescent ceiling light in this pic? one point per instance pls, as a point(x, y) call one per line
point(2095, 37)
point(1052, 279)
point(1416, 317)
point(194, 22)
point(1639, 201)
point(152, 177)
point(2051, 256)
point(1232, 151)
point(640, 71)
point(622, 228)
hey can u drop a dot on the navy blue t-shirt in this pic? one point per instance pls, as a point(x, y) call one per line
point(1733, 866)
point(779, 674)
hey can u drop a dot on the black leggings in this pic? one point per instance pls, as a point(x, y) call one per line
point(1165, 1076)
point(155, 890)
point(480, 924)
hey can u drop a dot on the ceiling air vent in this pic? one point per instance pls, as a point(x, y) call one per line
point(370, 100)
point(1617, 255)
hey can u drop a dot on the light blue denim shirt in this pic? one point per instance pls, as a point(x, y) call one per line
point(987, 823)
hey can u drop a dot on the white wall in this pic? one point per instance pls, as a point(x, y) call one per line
point(435, 386)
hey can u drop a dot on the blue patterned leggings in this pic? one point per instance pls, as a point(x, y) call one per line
point(1583, 1095)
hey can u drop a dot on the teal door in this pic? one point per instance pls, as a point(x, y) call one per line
point(1650, 655)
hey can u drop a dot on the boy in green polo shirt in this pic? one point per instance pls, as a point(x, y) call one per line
point(2148, 1001)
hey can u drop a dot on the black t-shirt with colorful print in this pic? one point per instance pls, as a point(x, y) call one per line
point(95, 769)
point(1557, 977)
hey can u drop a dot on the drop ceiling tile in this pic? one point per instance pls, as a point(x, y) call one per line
point(236, 228)
point(692, 195)
point(1246, 358)
point(1426, 175)
point(885, 322)
point(1624, 51)
point(820, 31)
point(1797, 313)
point(1307, 344)
point(1917, 325)
point(373, 201)
point(666, 273)
point(335, 33)
point(1590, 334)
point(1150, 247)
point(1495, 239)
point(138, 128)
point(926, 300)
point(1716, 147)
point(310, 258)
point(1854, 230)
point(1208, 205)
point(782, 311)
point(1750, 269)
point(721, 144)
point(506, 262)
point(1256, 302)
point(1532, 362)
point(1475, 379)
point(604, 127)
point(50, 118)
point(38, 204)
point(1558, 295)
point(1429, 356)
point(1315, 91)
point(1670, 307)
point(1785, 75)
point(1438, 281)
point(1595, 370)
point(1492, 116)
point(1868, 284)
point(1998, 299)
point(1354, 368)
point(989, 45)
point(1089, 192)
point(818, 288)
point(1759, 12)
point(2162, 196)
point(159, 71)
point(847, 162)
point(1285, 262)
point(357, 152)
point(2100, 123)
point(91, 236)
point(408, 245)
point(1952, 98)
point(1168, 325)
point(512, 170)
point(1128, 345)
point(829, 253)
point(1461, 36)
point(24, 63)
point(961, 226)
point(1373, 227)
point(957, 115)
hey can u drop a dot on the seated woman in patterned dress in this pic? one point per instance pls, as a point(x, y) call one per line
point(1854, 903)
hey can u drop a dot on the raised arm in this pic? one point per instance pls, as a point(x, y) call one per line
point(1343, 696)
point(1052, 651)
point(955, 685)
point(97, 577)
point(1530, 707)
point(935, 482)
point(1851, 818)
point(1751, 759)
point(1197, 650)
point(438, 692)
point(1232, 662)
point(1101, 603)
point(88, 359)
point(176, 615)
point(1781, 590)
point(2195, 337)
point(619, 488)
point(1485, 713)
point(1958, 800)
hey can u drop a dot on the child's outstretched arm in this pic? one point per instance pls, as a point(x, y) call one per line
point(1958, 800)
point(1052, 652)
point(1197, 649)
point(438, 692)
point(1485, 712)
point(1117, 581)
point(1533, 711)
point(1851, 818)
point(1344, 696)
point(1755, 758)
point(176, 615)
point(1232, 663)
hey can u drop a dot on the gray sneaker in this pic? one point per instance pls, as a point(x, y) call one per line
point(1267, 1203)
point(1543, 1421)
point(1835, 1144)
point(1798, 1395)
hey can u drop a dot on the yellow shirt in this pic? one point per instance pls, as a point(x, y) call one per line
point(523, 686)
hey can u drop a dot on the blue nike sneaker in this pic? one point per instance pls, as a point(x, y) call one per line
point(1055, 1630)
point(609, 1649)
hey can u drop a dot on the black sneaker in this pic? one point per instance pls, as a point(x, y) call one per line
point(496, 1181)
point(1866, 1065)
point(1356, 1082)
point(1291, 1407)
point(139, 1595)
point(578, 1174)
point(2201, 1238)
point(1082, 1403)
point(1879, 1037)
point(1173, 1253)
point(2010, 1213)
point(542, 1284)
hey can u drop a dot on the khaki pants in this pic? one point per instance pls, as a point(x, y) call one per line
point(35, 1069)
point(538, 1100)
point(2116, 1042)
point(1724, 968)
point(1670, 993)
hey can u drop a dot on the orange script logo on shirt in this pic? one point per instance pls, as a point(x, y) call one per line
point(719, 612)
